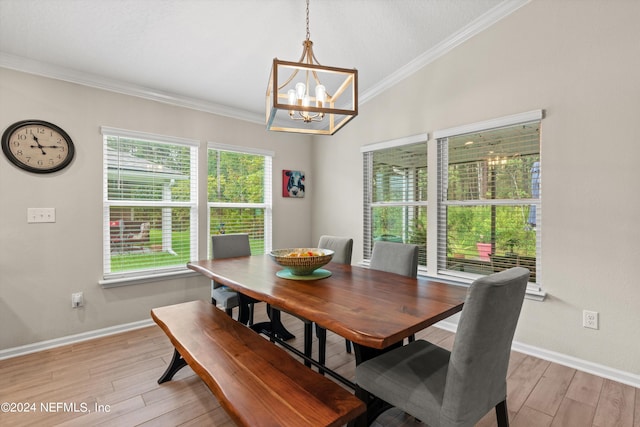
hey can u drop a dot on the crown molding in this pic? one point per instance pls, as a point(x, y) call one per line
point(482, 23)
point(73, 76)
point(30, 66)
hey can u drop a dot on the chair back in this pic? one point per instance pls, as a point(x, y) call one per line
point(399, 258)
point(341, 246)
point(477, 372)
point(230, 245)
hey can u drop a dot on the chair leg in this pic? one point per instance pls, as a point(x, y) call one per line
point(229, 311)
point(251, 314)
point(412, 338)
point(348, 345)
point(308, 342)
point(321, 333)
point(502, 414)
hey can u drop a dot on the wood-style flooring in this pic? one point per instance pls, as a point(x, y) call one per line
point(112, 381)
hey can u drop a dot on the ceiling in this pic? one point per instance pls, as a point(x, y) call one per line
point(216, 55)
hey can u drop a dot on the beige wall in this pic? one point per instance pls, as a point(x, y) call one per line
point(579, 61)
point(42, 264)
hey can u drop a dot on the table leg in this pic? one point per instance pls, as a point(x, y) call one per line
point(273, 326)
point(276, 324)
point(321, 333)
point(308, 341)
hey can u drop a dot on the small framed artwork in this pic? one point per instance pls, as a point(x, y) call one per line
point(292, 183)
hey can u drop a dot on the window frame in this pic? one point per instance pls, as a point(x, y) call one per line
point(148, 274)
point(441, 136)
point(436, 220)
point(267, 204)
point(368, 203)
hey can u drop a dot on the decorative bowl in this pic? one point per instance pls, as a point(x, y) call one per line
point(301, 261)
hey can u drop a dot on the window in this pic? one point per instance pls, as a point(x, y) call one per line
point(395, 193)
point(489, 197)
point(239, 194)
point(150, 203)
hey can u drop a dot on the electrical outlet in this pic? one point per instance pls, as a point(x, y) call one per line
point(590, 319)
point(77, 300)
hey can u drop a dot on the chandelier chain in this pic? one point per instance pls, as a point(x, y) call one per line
point(308, 33)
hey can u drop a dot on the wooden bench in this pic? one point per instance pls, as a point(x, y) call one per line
point(256, 382)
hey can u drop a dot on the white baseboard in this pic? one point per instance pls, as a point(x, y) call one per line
point(562, 359)
point(72, 339)
point(552, 356)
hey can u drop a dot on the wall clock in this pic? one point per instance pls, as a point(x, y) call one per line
point(37, 146)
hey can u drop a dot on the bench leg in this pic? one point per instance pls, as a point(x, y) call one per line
point(176, 364)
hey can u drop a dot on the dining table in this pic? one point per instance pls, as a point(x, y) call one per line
point(373, 309)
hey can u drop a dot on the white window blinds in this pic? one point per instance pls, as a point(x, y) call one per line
point(239, 193)
point(150, 203)
point(489, 200)
point(395, 193)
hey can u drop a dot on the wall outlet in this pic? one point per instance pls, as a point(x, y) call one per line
point(590, 319)
point(77, 300)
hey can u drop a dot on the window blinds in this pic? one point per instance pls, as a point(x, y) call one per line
point(239, 194)
point(150, 203)
point(489, 196)
point(395, 194)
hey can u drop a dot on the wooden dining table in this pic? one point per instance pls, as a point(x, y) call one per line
point(373, 309)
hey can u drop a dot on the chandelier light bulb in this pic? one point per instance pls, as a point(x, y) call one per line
point(291, 94)
point(321, 95)
point(300, 90)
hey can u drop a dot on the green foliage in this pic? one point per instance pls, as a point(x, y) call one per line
point(235, 177)
point(468, 225)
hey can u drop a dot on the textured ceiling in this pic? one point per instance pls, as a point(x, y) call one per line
point(217, 54)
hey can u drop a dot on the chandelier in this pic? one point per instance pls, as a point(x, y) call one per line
point(294, 106)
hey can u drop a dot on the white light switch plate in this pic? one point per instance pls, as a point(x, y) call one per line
point(41, 215)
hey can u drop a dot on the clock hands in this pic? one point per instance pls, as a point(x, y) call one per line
point(42, 147)
point(39, 145)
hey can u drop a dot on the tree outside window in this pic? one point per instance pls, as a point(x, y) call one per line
point(239, 195)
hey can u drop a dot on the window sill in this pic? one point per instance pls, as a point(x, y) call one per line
point(135, 280)
point(534, 291)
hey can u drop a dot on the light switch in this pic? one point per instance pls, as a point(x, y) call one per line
point(41, 215)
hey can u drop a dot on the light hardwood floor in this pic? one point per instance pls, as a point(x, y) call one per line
point(112, 381)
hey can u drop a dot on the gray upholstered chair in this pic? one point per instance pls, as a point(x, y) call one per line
point(456, 388)
point(229, 246)
point(399, 258)
point(392, 257)
point(343, 248)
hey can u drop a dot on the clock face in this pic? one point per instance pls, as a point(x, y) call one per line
point(37, 146)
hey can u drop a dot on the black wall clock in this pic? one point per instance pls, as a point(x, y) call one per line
point(37, 146)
